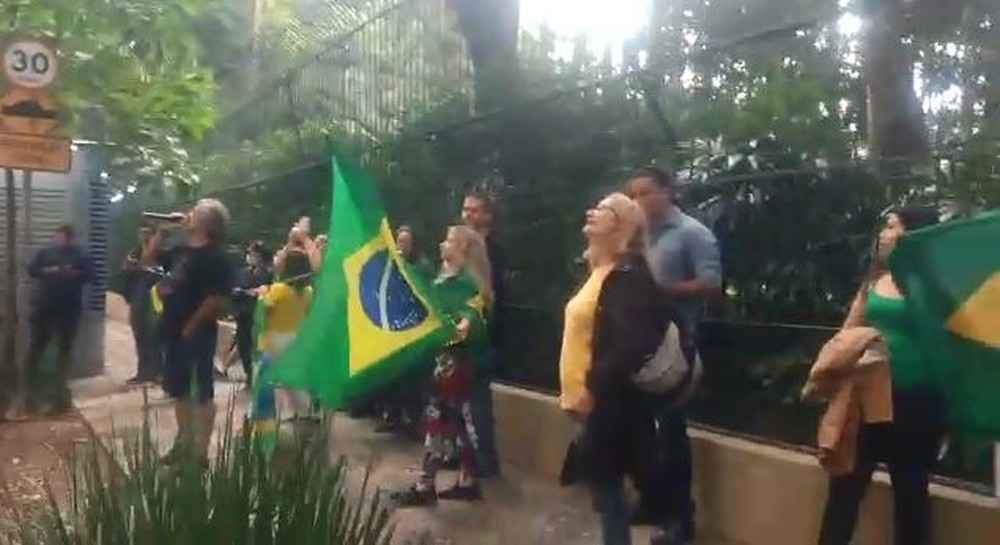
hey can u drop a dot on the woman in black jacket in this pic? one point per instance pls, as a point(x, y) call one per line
point(629, 321)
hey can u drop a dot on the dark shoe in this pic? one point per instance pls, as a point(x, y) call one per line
point(642, 517)
point(386, 427)
point(139, 380)
point(489, 474)
point(462, 493)
point(673, 534)
point(414, 497)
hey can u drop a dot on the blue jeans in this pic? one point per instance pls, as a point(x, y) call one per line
point(481, 405)
point(609, 502)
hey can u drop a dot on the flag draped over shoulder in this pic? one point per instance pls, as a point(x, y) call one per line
point(372, 320)
point(951, 277)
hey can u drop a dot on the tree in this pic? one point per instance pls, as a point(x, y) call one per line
point(133, 78)
point(491, 29)
point(896, 126)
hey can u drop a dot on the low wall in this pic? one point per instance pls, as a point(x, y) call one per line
point(747, 493)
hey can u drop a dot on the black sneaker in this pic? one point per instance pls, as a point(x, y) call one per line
point(386, 426)
point(415, 497)
point(462, 493)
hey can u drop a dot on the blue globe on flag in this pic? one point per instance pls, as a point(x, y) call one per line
point(386, 297)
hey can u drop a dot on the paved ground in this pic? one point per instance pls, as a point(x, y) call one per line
point(32, 460)
point(518, 510)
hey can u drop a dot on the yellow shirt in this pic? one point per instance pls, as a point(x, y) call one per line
point(286, 308)
point(577, 352)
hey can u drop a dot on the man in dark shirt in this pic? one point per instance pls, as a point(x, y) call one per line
point(193, 295)
point(255, 274)
point(61, 270)
point(478, 213)
point(139, 280)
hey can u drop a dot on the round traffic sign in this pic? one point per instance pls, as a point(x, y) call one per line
point(30, 63)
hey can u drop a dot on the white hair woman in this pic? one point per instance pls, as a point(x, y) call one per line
point(464, 294)
point(193, 294)
point(614, 325)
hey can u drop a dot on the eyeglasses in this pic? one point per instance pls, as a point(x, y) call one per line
point(602, 207)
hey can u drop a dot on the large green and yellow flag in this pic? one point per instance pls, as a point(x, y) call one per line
point(372, 321)
point(950, 274)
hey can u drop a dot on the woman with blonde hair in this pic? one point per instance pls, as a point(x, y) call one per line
point(614, 325)
point(464, 295)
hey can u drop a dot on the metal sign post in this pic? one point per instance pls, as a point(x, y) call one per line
point(29, 117)
point(10, 312)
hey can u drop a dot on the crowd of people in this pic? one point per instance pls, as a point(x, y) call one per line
point(629, 362)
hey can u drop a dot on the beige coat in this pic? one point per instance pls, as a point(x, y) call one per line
point(852, 374)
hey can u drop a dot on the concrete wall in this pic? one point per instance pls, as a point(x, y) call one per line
point(747, 493)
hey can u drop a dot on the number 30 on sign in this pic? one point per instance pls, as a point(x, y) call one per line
point(30, 64)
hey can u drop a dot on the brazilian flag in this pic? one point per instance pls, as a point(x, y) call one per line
point(950, 274)
point(372, 321)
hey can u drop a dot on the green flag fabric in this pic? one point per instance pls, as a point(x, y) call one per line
point(372, 320)
point(950, 274)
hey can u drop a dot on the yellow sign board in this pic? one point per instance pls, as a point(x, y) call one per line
point(29, 115)
point(32, 152)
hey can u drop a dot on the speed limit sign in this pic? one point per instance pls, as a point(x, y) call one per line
point(30, 64)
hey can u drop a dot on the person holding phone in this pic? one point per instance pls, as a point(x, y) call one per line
point(61, 271)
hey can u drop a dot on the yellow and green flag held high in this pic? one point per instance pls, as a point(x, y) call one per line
point(372, 321)
point(950, 274)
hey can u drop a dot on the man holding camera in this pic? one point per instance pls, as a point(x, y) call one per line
point(194, 292)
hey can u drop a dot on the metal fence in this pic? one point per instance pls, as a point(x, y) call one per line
point(794, 236)
point(358, 69)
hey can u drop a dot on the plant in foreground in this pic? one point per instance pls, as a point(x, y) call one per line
point(245, 497)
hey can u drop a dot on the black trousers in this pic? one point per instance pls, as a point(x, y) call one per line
point(145, 331)
point(908, 446)
point(244, 342)
point(189, 366)
point(665, 486)
point(46, 324)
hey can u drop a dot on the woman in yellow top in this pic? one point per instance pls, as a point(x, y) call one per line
point(285, 303)
point(614, 326)
point(610, 228)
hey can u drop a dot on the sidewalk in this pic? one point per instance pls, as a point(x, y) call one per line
point(518, 509)
point(112, 409)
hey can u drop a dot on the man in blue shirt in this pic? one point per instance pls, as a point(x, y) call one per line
point(684, 259)
point(60, 270)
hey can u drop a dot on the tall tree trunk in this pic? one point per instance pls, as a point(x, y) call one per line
point(896, 127)
point(656, 68)
point(490, 28)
